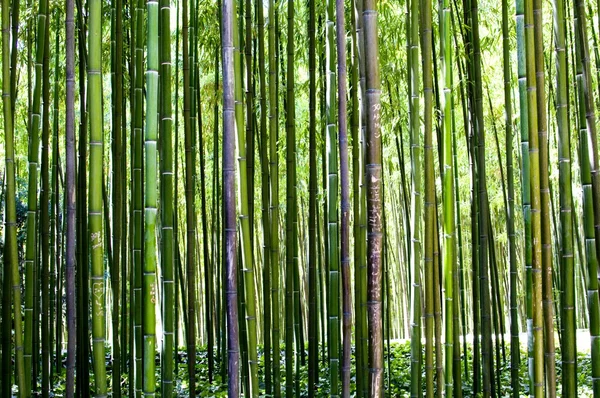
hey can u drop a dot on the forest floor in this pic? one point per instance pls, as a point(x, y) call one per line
point(397, 373)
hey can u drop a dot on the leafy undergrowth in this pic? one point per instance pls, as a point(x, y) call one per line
point(397, 377)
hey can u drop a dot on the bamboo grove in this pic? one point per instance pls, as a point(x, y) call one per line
point(266, 198)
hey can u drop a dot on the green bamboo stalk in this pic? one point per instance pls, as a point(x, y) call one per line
point(449, 257)
point(525, 179)
point(150, 200)
point(133, 215)
point(14, 25)
point(167, 203)
point(429, 202)
point(587, 156)
point(416, 210)
point(568, 346)
point(11, 266)
point(274, 191)
point(55, 233)
point(137, 197)
point(345, 197)
point(313, 340)
point(536, 284)
point(266, 200)
point(45, 217)
point(546, 244)
point(459, 300)
point(581, 27)
point(374, 176)
point(189, 200)
point(117, 185)
point(33, 156)
point(588, 227)
point(83, 245)
point(289, 106)
point(247, 260)
point(95, 195)
point(480, 224)
point(510, 221)
point(208, 296)
point(333, 254)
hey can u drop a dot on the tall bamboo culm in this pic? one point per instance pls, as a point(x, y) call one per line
point(333, 254)
point(429, 203)
point(510, 211)
point(534, 181)
point(31, 252)
point(416, 202)
point(95, 195)
point(374, 176)
point(229, 213)
point(274, 192)
point(567, 269)
point(11, 260)
point(169, 316)
point(448, 213)
point(150, 200)
point(589, 172)
point(345, 197)
point(246, 248)
point(70, 253)
point(290, 234)
point(313, 327)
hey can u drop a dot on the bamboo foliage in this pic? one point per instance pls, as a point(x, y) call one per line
point(403, 260)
